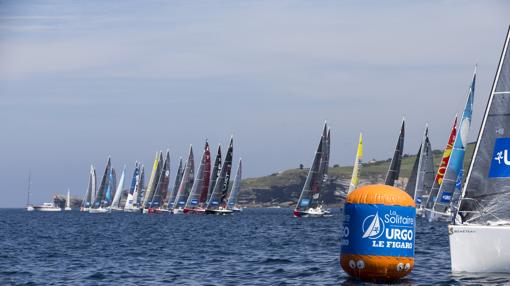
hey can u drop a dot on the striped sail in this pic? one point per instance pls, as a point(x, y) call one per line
point(186, 182)
point(486, 193)
point(456, 162)
point(438, 180)
point(394, 170)
point(201, 181)
point(219, 193)
point(357, 166)
point(236, 187)
point(173, 192)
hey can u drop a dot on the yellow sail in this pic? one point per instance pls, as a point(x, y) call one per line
point(357, 165)
point(151, 181)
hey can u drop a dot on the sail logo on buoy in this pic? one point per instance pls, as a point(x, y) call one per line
point(373, 227)
point(500, 164)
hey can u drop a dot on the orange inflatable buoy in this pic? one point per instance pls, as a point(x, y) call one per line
point(378, 233)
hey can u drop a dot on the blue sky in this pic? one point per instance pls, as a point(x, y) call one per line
point(81, 80)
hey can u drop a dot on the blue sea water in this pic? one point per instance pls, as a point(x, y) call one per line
point(255, 247)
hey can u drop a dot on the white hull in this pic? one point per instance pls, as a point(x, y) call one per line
point(68, 209)
point(112, 209)
point(132, 210)
point(47, 209)
point(30, 208)
point(480, 248)
point(178, 211)
point(99, 211)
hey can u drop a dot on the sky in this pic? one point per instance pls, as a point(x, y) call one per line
point(82, 80)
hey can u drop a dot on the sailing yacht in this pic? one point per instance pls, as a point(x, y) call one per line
point(155, 204)
point(479, 233)
point(438, 180)
point(118, 193)
point(90, 195)
point(102, 200)
point(185, 185)
point(309, 204)
point(153, 180)
point(236, 188)
point(30, 207)
point(68, 201)
point(449, 187)
point(198, 194)
point(394, 169)
point(422, 175)
point(135, 192)
point(218, 201)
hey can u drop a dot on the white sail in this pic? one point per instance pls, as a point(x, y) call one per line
point(118, 192)
point(68, 201)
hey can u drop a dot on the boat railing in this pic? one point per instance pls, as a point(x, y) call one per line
point(479, 210)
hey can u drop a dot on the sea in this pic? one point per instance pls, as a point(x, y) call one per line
point(254, 247)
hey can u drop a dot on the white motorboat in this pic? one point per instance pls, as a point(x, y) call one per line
point(47, 207)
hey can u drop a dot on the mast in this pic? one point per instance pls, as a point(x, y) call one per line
point(394, 170)
point(357, 166)
point(28, 187)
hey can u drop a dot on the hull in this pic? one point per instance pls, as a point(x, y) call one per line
point(46, 209)
point(237, 209)
point(30, 208)
point(99, 211)
point(116, 209)
point(432, 215)
point(480, 248)
point(219, 212)
point(68, 209)
point(178, 211)
point(312, 213)
point(84, 209)
point(155, 211)
point(133, 210)
point(194, 211)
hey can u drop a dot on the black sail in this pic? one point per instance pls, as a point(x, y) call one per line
point(394, 170)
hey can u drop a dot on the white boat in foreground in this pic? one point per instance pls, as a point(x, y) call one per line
point(479, 236)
